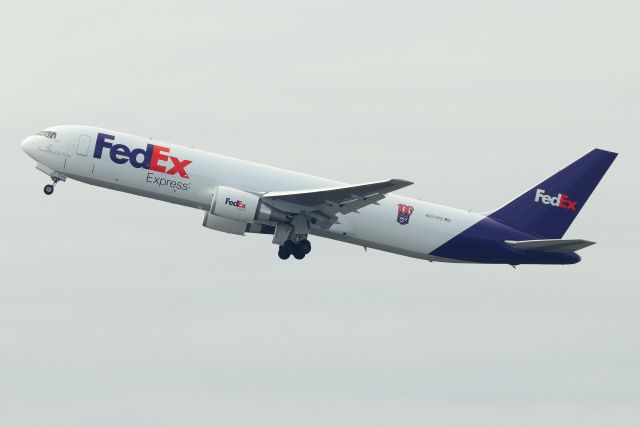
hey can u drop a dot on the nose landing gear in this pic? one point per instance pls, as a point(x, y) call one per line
point(48, 189)
point(298, 249)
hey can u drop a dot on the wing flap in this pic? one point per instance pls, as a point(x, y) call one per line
point(550, 245)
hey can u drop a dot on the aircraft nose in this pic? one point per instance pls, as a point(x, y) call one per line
point(28, 145)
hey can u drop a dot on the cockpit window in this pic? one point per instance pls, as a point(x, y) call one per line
point(48, 134)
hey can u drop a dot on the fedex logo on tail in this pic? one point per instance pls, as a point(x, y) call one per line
point(561, 201)
point(153, 157)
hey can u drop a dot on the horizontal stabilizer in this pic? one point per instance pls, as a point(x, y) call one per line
point(550, 245)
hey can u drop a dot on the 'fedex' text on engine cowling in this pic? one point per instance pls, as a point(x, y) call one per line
point(236, 203)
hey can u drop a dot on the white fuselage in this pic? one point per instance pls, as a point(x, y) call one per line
point(73, 154)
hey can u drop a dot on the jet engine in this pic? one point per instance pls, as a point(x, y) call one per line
point(232, 209)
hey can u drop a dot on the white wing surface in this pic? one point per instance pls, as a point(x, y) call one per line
point(325, 203)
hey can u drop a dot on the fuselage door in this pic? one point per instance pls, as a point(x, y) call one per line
point(83, 145)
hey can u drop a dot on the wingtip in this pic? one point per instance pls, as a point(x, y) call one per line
point(402, 182)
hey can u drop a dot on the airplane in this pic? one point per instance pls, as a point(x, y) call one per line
point(240, 197)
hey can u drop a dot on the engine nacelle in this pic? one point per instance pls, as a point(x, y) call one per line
point(218, 223)
point(232, 209)
point(234, 204)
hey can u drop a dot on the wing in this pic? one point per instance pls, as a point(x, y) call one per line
point(550, 245)
point(325, 203)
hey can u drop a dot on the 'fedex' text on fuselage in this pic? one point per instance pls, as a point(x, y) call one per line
point(154, 157)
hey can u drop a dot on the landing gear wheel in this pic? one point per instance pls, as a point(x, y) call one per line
point(283, 253)
point(298, 250)
point(298, 253)
point(289, 246)
point(48, 189)
point(305, 246)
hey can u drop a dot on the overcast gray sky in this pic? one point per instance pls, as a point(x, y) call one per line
point(119, 310)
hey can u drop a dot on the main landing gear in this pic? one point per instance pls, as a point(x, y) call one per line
point(48, 189)
point(297, 249)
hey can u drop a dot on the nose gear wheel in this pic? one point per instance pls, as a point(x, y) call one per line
point(48, 189)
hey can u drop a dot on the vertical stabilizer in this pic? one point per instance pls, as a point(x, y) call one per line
point(548, 209)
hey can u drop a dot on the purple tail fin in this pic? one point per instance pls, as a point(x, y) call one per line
point(549, 208)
